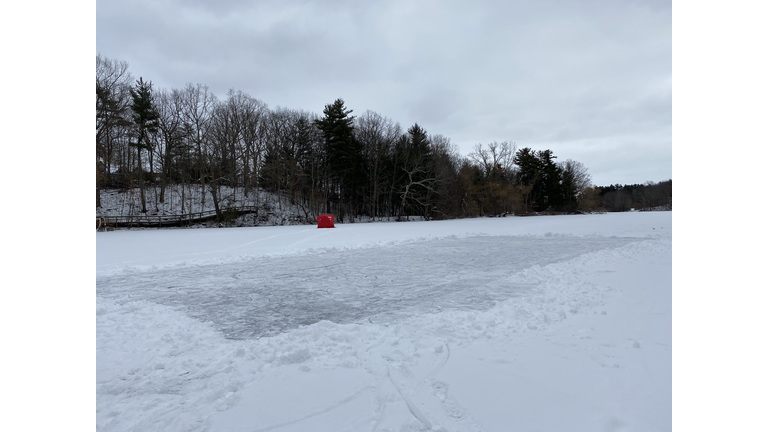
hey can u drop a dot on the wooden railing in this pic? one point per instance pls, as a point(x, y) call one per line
point(159, 221)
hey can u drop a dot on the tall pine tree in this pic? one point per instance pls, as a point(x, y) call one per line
point(539, 172)
point(551, 181)
point(344, 157)
point(146, 120)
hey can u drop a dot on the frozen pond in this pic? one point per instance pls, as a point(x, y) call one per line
point(267, 296)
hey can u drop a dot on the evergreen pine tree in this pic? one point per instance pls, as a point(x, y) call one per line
point(146, 119)
point(344, 154)
point(551, 178)
point(529, 176)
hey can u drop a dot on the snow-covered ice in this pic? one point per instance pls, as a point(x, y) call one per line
point(539, 323)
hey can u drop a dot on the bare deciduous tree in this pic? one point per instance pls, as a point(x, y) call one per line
point(172, 133)
point(378, 135)
point(197, 112)
point(581, 178)
point(497, 162)
point(112, 113)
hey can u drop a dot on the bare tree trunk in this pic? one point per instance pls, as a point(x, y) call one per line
point(162, 190)
point(246, 171)
point(402, 202)
point(98, 188)
point(202, 192)
point(141, 184)
point(214, 193)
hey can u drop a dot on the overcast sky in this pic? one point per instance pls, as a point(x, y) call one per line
point(589, 79)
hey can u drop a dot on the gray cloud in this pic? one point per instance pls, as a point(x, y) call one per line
point(581, 77)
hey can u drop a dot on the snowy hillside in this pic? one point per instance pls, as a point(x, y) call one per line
point(541, 323)
point(273, 210)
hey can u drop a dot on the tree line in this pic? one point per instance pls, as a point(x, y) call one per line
point(619, 198)
point(339, 163)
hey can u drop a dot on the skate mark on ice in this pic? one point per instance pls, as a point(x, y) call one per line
point(317, 412)
point(428, 399)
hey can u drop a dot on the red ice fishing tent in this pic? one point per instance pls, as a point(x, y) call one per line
point(325, 221)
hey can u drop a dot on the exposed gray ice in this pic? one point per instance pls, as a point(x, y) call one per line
point(267, 296)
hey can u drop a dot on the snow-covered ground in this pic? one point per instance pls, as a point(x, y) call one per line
point(181, 199)
point(273, 210)
point(528, 324)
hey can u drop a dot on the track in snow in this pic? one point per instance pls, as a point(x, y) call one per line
point(268, 296)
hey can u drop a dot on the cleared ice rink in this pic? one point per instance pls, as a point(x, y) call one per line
point(266, 296)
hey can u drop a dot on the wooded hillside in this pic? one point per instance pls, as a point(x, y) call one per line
point(363, 165)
